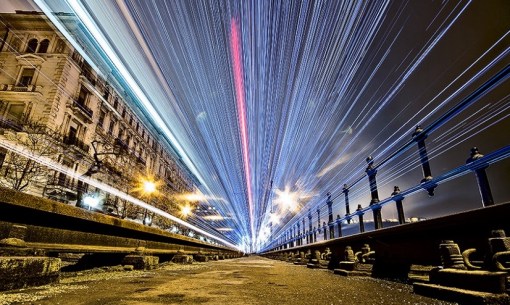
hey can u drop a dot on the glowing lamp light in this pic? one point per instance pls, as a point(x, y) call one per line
point(149, 187)
point(287, 199)
point(186, 210)
point(91, 201)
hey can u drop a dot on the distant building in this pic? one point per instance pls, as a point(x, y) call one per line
point(47, 88)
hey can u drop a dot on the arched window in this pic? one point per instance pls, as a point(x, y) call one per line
point(43, 46)
point(32, 46)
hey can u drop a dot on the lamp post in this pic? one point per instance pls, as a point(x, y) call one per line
point(148, 188)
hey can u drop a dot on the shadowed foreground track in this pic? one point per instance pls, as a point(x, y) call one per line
point(249, 280)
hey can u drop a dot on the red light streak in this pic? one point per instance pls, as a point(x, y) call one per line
point(235, 47)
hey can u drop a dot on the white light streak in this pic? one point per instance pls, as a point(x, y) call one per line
point(23, 151)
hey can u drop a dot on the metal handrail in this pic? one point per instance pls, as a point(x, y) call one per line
point(500, 154)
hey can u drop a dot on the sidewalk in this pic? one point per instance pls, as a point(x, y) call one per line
point(248, 280)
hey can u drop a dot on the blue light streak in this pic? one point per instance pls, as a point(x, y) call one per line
point(325, 85)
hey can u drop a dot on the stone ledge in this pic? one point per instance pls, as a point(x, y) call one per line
point(461, 296)
point(141, 262)
point(19, 272)
point(479, 280)
point(351, 273)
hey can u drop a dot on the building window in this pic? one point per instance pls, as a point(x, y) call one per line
point(115, 103)
point(15, 112)
point(60, 46)
point(3, 153)
point(43, 46)
point(112, 126)
point(82, 98)
point(32, 46)
point(100, 121)
point(73, 134)
point(27, 75)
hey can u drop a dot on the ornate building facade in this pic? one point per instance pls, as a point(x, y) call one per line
point(52, 102)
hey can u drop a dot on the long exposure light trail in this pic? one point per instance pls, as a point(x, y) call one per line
point(299, 93)
point(82, 13)
point(235, 46)
point(23, 151)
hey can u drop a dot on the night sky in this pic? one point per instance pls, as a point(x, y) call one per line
point(268, 96)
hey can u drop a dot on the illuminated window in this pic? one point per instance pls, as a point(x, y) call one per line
point(32, 45)
point(43, 46)
point(27, 75)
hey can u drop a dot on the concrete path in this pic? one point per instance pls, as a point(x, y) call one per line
point(249, 280)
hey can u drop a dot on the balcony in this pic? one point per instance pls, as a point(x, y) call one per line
point(112, 168)
point(121, 144)
point(141, 160)
point(12, 124)
point(80, 108)
point(62, 181)
point(14, 88)
point(61, 188)
point(171, 184)
point(76, 143)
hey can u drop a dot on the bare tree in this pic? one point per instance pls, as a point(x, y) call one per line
point(21, 172)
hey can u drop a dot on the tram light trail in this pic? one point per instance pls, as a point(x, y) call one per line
point(21, 150)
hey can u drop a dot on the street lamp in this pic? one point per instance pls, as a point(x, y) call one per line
point(91, 201)
point(185, 210)
point(147, 187)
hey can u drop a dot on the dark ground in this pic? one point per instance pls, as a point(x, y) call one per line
point(249, 280)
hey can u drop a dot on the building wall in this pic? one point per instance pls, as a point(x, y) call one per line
point(56, 89)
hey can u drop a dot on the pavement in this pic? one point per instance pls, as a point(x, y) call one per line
point(248, 280)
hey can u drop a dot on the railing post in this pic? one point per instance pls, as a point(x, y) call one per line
point(310, 226)
point(361, 223)
point(291, 237)
point(314, 234)
point(307, 237)
point(345, 190)
point(325, 230)
point(329, 202)
point(304, 228)
point(419, 137)
point(298, 235)
point(295, 236)
point(481, 177)
point(339, 225)
point(398, 200)
point(318, 217)
point(372, 172)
